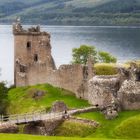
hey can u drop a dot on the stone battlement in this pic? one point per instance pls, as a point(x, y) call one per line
point(19, 30)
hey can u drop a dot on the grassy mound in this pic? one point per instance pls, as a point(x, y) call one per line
point(108, 127)
point(105, 69)
point(74, 129)
point(22, 100)
point(129, 128)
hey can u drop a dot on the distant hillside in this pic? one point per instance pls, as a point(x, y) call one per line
point(72, 12)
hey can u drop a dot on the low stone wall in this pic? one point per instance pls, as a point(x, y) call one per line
point(85, 121)
point(83, 110)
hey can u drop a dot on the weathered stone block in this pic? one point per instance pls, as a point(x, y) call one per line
point(129, 95)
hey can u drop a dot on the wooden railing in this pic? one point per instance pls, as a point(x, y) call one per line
point(31, 117)
point(42, 115)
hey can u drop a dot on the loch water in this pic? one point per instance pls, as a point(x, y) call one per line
point(122, 42)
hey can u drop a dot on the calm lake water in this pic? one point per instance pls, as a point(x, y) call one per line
point(122, 42)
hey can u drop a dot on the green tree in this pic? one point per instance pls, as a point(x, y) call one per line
point(80, 55)
point(3, 98)
point(105, 57)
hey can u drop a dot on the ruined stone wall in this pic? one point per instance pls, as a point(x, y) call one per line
point(103, 90)
point(116, 92)
point(70, 77)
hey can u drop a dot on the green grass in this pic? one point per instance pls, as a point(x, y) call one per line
point(29, 137)
point(74, 129)
point(21, 100)
point(105, 69)
point(129, 128)
point(108, 127)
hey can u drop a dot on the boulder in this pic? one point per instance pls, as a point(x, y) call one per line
point(59, 106)
point(111, 114)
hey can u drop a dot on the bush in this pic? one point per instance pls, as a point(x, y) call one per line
point(105, 69)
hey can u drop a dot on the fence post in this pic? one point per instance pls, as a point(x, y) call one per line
point(17, 119)
point(2, 117)
point(33, 117)
point(40, 115)
point(25, 118)
point(9, 118)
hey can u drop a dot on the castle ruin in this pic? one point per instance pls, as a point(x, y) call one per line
point(34, 64)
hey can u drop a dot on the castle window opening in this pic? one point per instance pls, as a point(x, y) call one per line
point(29, 45)
point(22, 68)
point(35, 57)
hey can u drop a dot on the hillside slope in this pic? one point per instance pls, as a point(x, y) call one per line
point(79, 12)
point(24, 99)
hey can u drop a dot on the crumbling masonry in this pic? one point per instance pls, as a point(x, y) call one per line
point(34, 63)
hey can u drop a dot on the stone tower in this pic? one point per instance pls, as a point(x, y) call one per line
point(32, 55)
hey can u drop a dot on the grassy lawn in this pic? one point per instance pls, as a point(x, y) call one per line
point(111, 128)
point(29, 137)
point(22, 101)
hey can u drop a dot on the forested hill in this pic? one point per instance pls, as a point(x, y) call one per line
point(72, 12)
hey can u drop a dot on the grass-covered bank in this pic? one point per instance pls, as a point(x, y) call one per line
point(74, 129)
point(29, 137)
point(129, 128)
point(22, 99)
point(117, 128)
